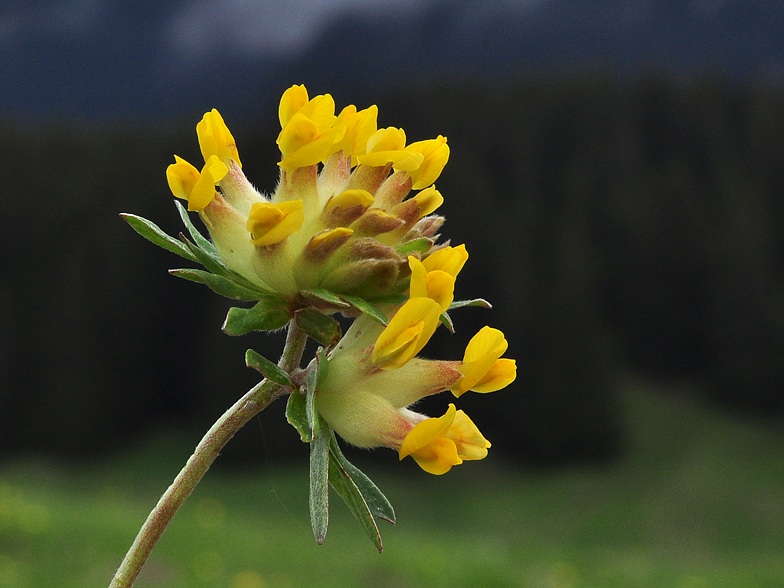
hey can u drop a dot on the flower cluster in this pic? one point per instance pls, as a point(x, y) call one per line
point(351, 230)
point(341, 229)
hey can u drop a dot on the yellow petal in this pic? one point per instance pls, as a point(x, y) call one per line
point(426, 431)
point(198, 188)
point(386, 146)
point(216, 139)
point(441, 288)
point(435, 153)
point(292, 100)
point(360, 126)
point(480, 357)
point(388, 139)
point(438, 457)
point(302, 145)
point(350, 198)
point(327, 241)
point(321, 110)
point(299, 131)
point(502, 373)
point(406, 334)
point(449, 259)
point(418, 287)
point(436, 285)
point(270, 223)
point(182, 177)
point(428, 201)
point(487, 342)
point(470, 443)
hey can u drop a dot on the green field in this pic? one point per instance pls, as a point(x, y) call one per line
point(697, 500)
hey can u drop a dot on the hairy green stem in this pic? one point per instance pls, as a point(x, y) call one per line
point(253, 402)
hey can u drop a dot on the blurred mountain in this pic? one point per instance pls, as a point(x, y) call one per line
point(128, 62)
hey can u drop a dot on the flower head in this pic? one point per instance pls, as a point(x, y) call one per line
point(337, 223)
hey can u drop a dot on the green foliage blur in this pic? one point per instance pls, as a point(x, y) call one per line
point(616, 227)
point(694, 503)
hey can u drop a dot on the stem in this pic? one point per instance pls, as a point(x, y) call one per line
point(253, 402)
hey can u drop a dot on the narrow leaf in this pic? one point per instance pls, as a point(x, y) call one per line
point(153, 233)
point(480, 302)
point(209, 260)
point(259, 318)
point(447, 321)
point(318, 326)
point(268, 369)
point(319, 475)
point(197, 237)
point(392, 299)
point(223, 286)
point(323, 365)
point(297, 417)
point(324, 295)
point(311, 382)
point(374, 498)
point(351, 495)
point(421, 245)
point(367, 308)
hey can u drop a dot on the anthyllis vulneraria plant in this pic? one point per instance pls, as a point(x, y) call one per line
point(340, 234)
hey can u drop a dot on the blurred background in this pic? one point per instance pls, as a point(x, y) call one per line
point(616, 172)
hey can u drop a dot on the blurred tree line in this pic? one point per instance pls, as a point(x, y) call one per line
point(616, 227)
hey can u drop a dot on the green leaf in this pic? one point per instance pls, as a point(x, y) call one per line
point(392, 299)
point(377, 503)
point(447, 321)
point(258, 318)
point(319, 326)
point(311, 382)
point(351, 495)
point(153, 233)
point(480, 302)
point(209, 260)
point(421, 245)
point(197, 237)
point(367, 308)
point(297, 417)
point(324, 295)
point(319, 476)
point(269, 370)
point(323, 365)
point(223, 286)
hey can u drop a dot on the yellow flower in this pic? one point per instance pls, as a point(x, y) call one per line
point(449, 259)
point(292, 100)
point(360, 126)
point(482, 369)
point(437, 285)
point(198, 188)
point(406, 334)
point(216, 139)
point(270, 223)
point(437, 444)
point(308, 130)
point(435, 153)
point(387, 146)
